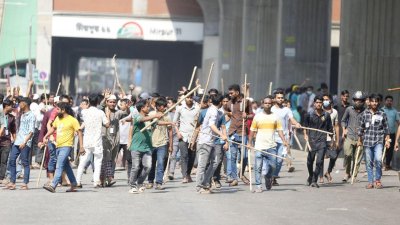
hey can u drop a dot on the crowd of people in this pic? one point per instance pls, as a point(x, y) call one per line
point(210, 132)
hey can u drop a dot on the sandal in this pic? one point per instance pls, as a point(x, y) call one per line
point(369, 186)
point(328, 177)
point(49, 188)
point(245, 180)
point(345, 179)
point(24, 187)
point(378, 184)
point(10, 186)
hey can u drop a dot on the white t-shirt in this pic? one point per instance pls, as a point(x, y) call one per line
point(124, 133)
point(284, 114)
point(93, 118)
point(335, 120)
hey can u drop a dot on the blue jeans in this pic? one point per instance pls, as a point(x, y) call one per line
point(63, 164)
point(51, 167)
point(235, 150)
point(158, 156)
point(25, 155)
point(373, 157)
point(265, 163)
point(279, 161)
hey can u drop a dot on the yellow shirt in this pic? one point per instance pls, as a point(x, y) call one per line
point(265, 126)
point(66, 128)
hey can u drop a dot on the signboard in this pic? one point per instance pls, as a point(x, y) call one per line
point(39, 76)
point(126, 28)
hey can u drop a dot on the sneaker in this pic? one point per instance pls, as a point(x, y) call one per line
point(170, 177)
point(110, 182)
point(49, 188)
point(159, 187)
point(274, 182)
point(259, 189)
point(234, 183)
point(185, 180)
point(142, 189)
point(314, 184)
point(291, 169)
point(149, 185)
point(268, 183)
point(35, 166)
point(133, 190)
point(204, 191)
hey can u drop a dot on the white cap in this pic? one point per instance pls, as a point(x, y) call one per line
point(112, 97)
point(35, 96)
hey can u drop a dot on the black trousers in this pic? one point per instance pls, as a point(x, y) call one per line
point(319, 154)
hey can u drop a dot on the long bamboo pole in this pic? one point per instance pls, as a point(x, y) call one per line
point(243, 126)
point(309, 128)
point(58, 88)
point(394, 89)
point(355, 165)
point(171, 108)
point(191, 79)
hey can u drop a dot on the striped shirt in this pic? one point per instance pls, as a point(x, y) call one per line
point(27, 125)
point(265, 125)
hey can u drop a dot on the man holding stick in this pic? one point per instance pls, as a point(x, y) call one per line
point(140, 146)
point(373, 133)
point(264, 126)
point(159, 142)
point(22, 144)
point(286, 117)
point(235, 110)
point(185, 119)
point(349, 124)
point(206, 145)
point(7, 132)
point(321, 120)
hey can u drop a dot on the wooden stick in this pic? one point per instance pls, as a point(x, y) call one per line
point(208, 81)
point(58, 88)
point(243, 126)
point(297, 140)
point(309, 128)
point(191, 79)
point(384, 154)
point(222, 86)
point(270, 88)
point(394, 89)
point(16, 67)
point(166, 169)
point(41, 166)
point(355, 165)
point(249, 165)
point(309, 146)
point(45, 95)
point(114, 62)
point(171, 108)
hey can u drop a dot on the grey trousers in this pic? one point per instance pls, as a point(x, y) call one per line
point(139, 158)
point(206, 155)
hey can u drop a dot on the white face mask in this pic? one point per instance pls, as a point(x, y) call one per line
point(326, 103)
point(309, 92)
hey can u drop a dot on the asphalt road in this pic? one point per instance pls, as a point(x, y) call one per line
point(289, 203)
